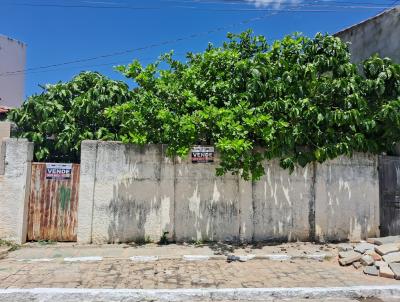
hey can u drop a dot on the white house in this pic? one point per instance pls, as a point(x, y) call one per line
point(12, 62)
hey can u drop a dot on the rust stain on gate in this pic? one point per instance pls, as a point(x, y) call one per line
point(53, 206)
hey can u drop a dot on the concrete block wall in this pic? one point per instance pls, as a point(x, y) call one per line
point(132, 193)
point(5, 130)
point(281, 203)
point(207, 207)
point(126, 193)
point(347, 198)
point(16, 157)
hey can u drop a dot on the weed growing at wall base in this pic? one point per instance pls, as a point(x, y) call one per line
point(11, 245)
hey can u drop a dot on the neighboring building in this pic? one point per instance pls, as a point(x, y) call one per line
point(5, 128)
point(12, 58)
point(378, 35)
point(3, 112)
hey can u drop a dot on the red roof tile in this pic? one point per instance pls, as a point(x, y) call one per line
point(4, 109)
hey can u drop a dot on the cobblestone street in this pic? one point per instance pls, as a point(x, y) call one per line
point(170, 274)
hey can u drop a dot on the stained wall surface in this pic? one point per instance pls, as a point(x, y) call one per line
point(132, 193)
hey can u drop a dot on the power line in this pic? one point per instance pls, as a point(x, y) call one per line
point(167, 42)
point(109, 64)
point(392, 5)
point(273, 3)
point(246, 3)
point(329, 4)
point(80, 6)
point(119, 53)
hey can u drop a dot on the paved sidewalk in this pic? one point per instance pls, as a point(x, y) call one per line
point(171, 251)
point(110, 267)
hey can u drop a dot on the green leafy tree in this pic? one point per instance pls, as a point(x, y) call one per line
point(64, 114)
point(299, 100)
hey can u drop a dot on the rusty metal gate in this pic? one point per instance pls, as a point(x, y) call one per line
point(389, 191)
point(53, 205)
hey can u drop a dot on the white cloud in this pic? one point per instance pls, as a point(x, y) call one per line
point(273, 3)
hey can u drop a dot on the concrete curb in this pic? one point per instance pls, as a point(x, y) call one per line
point(177, 295)
point(144, 258)
point(152, 258)
point(83, 259)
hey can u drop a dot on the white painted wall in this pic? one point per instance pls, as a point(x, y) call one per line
point(281, 203)
point(207, 207)
point(5, 130)
point(16, 155)
point(130, 193)
point(127, 193)
point(12, 58)
point(347, 198)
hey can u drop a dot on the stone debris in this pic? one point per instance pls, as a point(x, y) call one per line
point(371, 270)
point(232, 258)
point(379, 256)
point(374, 255)
point(386, 272)
point(392, 257)
point(348, 254)
point(343, 247)
point(350, 259)
point(384, 240)
point(363, 247)
point(367, 260)
point(357, 264)
point(387, 248)
point(379, 264)
point(395, 267)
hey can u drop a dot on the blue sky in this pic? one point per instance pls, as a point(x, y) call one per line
point(60, 31)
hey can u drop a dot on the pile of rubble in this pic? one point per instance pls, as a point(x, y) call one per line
point(377, 256)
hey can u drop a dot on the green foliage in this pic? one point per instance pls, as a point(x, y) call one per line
point(164, 239)
point(299, 100)
point(64, 114)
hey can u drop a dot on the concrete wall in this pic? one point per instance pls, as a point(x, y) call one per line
point(12, 58)
point(131, 193)
point(281, 203)
point(16, 156)
point(5, 130)
point(347, 198)
point(376, 35)
point(126, 193)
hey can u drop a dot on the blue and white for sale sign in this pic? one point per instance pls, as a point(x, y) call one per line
point(58, 171)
